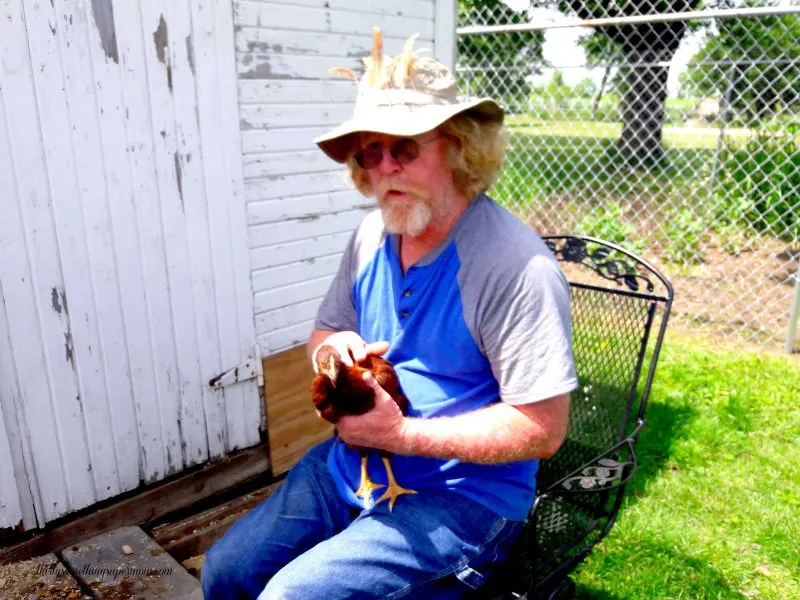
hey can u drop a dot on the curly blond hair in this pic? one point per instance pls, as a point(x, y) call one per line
point(476, 153)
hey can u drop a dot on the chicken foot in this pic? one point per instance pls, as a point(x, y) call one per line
point(366, 486)
point(393, 490)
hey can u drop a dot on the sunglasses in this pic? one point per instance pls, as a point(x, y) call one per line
point(404, 151)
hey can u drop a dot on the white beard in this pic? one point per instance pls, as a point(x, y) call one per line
point(406, 217)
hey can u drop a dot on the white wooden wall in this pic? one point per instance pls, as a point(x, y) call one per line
point(124, 266)
point(300, 210)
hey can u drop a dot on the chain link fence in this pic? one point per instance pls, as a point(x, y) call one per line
point(675, 137)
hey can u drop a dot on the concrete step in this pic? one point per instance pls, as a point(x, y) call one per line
point(127, 563)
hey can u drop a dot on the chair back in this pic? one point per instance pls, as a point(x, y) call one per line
point(620, 305)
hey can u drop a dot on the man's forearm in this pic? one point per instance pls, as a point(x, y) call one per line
point(497, 434)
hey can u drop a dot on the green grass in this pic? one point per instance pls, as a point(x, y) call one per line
point(714, 509)
point(578, 160)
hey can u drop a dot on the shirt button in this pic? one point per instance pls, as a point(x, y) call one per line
point(407, 294)
point(404, 314)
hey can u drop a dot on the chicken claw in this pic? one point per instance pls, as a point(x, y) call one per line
point(367, 486)
point(393, 490)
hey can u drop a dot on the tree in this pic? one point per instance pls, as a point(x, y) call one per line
point(601, 50)
point(586, 88)
point(647, 49)
point(759, 58)
point(556, 89)
point(498, 65)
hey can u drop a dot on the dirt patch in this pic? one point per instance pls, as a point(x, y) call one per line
point(742, 290)
point(41, 578)
point(748, 293)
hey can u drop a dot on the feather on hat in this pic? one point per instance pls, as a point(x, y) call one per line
point(404, 96)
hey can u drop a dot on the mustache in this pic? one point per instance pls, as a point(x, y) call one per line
point(399, 185)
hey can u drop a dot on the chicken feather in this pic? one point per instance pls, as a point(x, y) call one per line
point(339, 390)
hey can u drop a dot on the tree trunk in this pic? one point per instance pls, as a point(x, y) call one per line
point(643, 108)
point(599, 95)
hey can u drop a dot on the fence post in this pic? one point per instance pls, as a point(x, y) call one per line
point(794, 313)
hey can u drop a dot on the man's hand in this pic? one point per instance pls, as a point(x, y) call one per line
point(348, 344)
point(382, 427)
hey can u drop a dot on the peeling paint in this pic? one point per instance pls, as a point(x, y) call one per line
point(309, 218)
point(160, 38)
point(103, 13)
point(190, 51)
point(246, 125)
point(59, 300)
point(161, 41)
point(257, 46)
point(264, 71)
point(54, 298)
point(69, 348)
point(143, 462)
point(179, 177)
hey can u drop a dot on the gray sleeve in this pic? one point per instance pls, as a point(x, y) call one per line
point(338, 311)
point(526, 332)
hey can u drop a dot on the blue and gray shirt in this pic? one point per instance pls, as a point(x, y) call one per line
point(482, 318)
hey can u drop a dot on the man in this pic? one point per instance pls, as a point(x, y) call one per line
point(472, 309)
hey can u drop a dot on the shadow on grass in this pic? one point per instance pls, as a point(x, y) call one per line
point(583, 592)
point(697, 579)
point(664, 424)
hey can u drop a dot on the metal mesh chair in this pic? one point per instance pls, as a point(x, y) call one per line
point(620, 308)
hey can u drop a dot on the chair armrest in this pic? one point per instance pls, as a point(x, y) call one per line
point(601, 473)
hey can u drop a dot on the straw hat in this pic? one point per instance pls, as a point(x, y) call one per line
point(404, 96)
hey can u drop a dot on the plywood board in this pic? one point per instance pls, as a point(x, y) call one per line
point(293, 423)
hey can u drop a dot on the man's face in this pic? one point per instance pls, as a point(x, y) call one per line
point(410, 194)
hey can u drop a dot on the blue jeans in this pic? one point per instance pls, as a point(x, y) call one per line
point(305, 542)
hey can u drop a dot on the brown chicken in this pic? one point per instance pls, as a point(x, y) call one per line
point(339, 390)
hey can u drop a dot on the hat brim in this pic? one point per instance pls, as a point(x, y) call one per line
point(401, 120)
